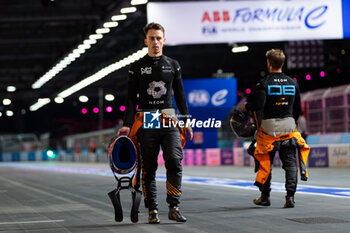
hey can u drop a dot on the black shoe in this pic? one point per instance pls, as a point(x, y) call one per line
point(174, 214)
point(153, 217)
point(289, 202)
point(263, 201)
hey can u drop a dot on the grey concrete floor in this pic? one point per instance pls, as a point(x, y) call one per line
point(71, 197)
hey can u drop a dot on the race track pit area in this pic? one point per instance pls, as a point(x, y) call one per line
point(72, 197)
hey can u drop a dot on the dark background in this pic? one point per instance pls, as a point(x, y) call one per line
point(36, 34)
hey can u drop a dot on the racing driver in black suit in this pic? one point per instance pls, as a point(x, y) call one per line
point(278, 97)
point(152, 80)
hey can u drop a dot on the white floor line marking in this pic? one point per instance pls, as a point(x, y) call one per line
point(339, 192)
point(31, 222)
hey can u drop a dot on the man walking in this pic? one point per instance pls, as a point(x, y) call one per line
point(278, 97)
point(151, 83)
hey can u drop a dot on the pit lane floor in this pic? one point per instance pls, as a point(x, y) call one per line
point(72, 197)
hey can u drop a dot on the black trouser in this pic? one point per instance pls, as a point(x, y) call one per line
point(170, 141)
point(287, 152)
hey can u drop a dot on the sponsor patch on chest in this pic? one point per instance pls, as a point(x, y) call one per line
point(146, 70)
point(166, 69)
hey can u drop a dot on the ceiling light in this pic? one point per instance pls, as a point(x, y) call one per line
point(90, 41)
point(99, 74)
point(118, 17)
point(79, 51)
point(127, 10)
point(95, 37)
point(59, 100)
point(0, 114)
point(240, 49)
point(70, 58)
point(41, 102)
point(11, 88)
point(110, 24)
point(138, 2)
point(83, 98)
point(109, 97)
point(6, 101)
point(9, 113)
point(84, 47)
point(102, 30)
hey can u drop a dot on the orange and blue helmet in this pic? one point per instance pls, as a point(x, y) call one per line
point(122, 155)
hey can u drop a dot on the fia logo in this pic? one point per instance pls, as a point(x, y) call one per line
point(209, 30)
point(198, 97)
point(146, 70)
point(151, 120)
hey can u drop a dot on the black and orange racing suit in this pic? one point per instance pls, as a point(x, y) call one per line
point(150, 85)
point(278, 97)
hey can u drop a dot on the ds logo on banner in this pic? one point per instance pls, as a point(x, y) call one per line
point(151, 120)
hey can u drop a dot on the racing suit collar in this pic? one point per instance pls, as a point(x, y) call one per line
point(154, 58)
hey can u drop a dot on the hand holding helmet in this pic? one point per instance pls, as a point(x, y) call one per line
point(242, 124)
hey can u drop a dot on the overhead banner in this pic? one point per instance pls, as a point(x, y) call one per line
point(249, 21)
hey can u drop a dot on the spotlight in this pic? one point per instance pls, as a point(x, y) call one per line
point(59, 100)
point(109, 109)
point(11, 88)
point(240, 49)
point(95, 110)
point(109, 97)
point(83, 98)
point(6, 101)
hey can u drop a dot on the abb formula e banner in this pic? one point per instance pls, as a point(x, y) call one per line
point(251, 21)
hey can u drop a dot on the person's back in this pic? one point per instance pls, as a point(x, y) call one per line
point(282, 106)
point(278, 97)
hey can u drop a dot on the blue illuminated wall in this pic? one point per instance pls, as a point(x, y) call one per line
point(209, 99)
point(346, 18)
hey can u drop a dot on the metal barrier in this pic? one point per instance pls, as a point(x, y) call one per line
point(337, 155)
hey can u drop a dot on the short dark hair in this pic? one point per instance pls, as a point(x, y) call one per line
point(153, 25)
point(276, 58)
